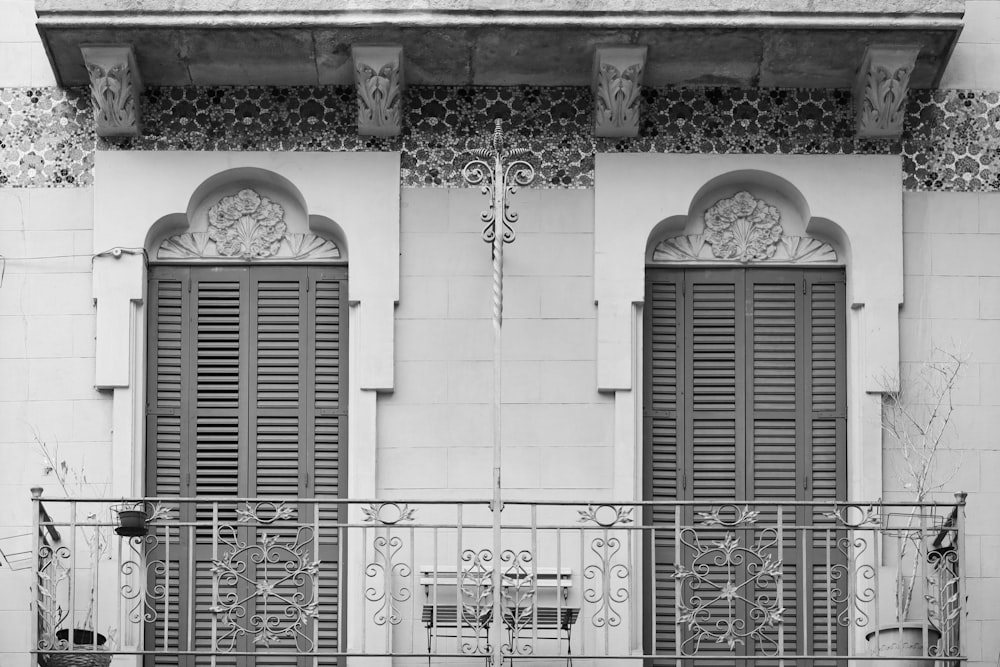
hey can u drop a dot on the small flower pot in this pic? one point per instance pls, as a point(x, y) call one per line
point(132, 521)
point(83, 644)
point(895, 644)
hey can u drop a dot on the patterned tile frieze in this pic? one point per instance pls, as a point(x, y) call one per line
point(951, 139)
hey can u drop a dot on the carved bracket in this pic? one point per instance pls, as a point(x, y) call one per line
point(744, 229)
point(115, 86)
point(378, 76)
point(880, 90)
point(617, 90)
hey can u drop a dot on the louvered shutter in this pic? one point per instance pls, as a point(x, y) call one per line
point(714, 454)
point(826, 436)
point(168, 386)
point(761, 416)
point(776, 447)
point(249, 360)
point(662, 432)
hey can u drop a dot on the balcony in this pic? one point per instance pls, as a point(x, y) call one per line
point(325, 579)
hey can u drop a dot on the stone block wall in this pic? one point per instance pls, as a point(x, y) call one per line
point(952, 289)
point(435, 429)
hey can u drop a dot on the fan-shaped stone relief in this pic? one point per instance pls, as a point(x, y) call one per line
point(250, 227)
point(744, 229)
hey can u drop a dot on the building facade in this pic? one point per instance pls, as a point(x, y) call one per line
point(738, 283)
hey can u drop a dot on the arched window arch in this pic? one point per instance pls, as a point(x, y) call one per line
point(247, 406)
point(745, 399)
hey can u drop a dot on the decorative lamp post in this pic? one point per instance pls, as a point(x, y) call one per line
point(499, 172)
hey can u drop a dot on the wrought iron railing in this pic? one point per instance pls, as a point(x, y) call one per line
point(762, 582)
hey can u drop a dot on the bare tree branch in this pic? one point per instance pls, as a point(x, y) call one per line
point(918, 418)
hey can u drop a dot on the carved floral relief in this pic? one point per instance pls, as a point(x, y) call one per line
point(618, 96)
point(884, 105)
point(246, 225)
point(379, 99)
point(111, 92)
point(744, 229)
point(251, 227)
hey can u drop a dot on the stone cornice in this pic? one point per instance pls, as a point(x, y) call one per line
point(307, 42)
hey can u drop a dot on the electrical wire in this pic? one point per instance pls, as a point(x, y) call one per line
point(110, 252)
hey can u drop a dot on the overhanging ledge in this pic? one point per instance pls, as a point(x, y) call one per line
point(501, 42)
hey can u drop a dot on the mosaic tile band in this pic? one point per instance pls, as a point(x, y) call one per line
point(951, 141)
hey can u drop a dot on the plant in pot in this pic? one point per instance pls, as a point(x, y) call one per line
point(90, 646)
point(133, 518)
point(917, 421)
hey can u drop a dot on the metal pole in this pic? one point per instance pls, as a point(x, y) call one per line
point(497, 505)
point(490, 172)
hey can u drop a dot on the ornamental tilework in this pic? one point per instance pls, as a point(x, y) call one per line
point(951, 138)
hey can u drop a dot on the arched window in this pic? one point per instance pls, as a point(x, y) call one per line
point(745, 403)
point(246, 415)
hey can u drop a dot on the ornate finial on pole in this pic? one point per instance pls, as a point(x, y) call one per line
point(498, 180)
point(499, 171)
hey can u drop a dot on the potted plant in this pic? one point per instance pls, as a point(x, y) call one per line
point(133, 518)
point(90, 647)
point(917, 420)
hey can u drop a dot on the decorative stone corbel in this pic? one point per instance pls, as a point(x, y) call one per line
point(880, 90)
point(378, 74)
point(115, 86)
point(617, 87)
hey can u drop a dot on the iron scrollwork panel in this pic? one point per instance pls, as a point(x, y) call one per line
point(729, 587)
point(266, 581)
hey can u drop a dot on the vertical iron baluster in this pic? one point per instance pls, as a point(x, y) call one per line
point(534, 579)
point(36, 540)
point(71, 580)
point(341, 527)
point(317, 506)
point(829, 595)
point(606, 584)
point(387, 586)
point(804, 576)
point(781, 586)
point(460, 631)
point(900, 581)
point(215, 577)
point(95, 580)
point(559, 587)
point(583, 598)
point(630, 608)
point(921, 571)
point(678, 638)
point(413, 584)
point(959, 554)
point(434, 588)
point(877, 560)
point(166, 583)
point(361, 591)
point(121, 622)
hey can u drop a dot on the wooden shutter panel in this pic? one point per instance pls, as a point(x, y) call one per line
point(760, 357)
point(328, 424)
point(246, 400)
point(826, 435)
point(662, 432)
point(713, 333)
